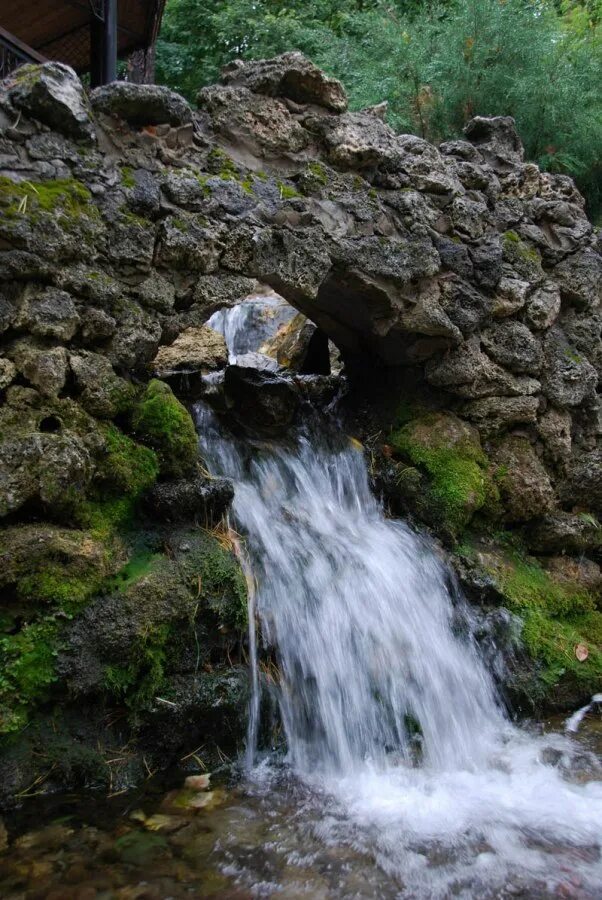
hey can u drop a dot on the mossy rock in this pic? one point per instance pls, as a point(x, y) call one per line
point(162, 422)
point(456, 470)
point(557, 615)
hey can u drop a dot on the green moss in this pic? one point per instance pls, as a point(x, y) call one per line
point(55, 584)
point(162, 422)
point(514, 246)
point(139, 566)
point(140, 680)
point(222, 582)
point(127, 177)
point(528, 586)
point(69, 198)
point(459, 483)
point(133, 219)
point(287, 192)
point(27, 670)
point(219, 163)
point(128, 467)
point(318, 171)
point(556, 616)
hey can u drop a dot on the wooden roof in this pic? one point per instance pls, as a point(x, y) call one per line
point(59, 29)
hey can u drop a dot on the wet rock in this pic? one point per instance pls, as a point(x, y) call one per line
point(300, 347)
point(564, 532)
point(53, 94)
point(141, 104)
point(524, 484)
point(260, 400)
point(290, 75)
point(201, 498)
point(512, 345)
point(194, 350)
point(568, 378)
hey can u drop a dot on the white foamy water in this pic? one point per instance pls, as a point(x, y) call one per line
point(390, 716)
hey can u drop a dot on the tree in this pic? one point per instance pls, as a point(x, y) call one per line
point(436, 63)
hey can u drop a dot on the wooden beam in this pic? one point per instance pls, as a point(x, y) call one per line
point(21, 47)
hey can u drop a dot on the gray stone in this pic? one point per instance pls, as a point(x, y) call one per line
point(583, 484)
point(53, 94)
point(48, 313)
point(543, 306)
point(524, 483)
point(497, 141)
point(492, 415)
point(141, 104)
point(512, 345)
point(469, 373)
point(44, 368)
point(290, 75)
point(564, 532)
point(8, 372)
point(580, 277)
point(554, 428)
point(103, 393)
point(567, 376)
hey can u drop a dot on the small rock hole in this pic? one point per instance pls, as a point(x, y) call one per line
point(50, 424)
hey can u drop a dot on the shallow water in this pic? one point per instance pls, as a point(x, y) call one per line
point(269, 836)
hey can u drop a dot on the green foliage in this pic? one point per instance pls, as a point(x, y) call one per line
point(161, 421)
point(436, 63)
point(138, 681)
point(27, 669)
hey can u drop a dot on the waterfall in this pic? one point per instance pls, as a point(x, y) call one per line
point(390, 715)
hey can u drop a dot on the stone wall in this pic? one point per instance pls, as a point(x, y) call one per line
point(127, 218)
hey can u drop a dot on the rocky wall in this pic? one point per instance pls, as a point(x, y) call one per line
point(461, 284)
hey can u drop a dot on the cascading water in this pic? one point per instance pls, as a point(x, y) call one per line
point(361, 615)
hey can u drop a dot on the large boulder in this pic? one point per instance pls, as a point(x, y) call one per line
point(290, 75)
point(53, 94)
point(141, 104)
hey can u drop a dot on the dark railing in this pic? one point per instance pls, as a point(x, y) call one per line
point(14, 53)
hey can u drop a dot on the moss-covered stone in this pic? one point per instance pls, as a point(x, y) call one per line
point(448, 452)
point(162, 422)
point(67, 197)
point(557, 615)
